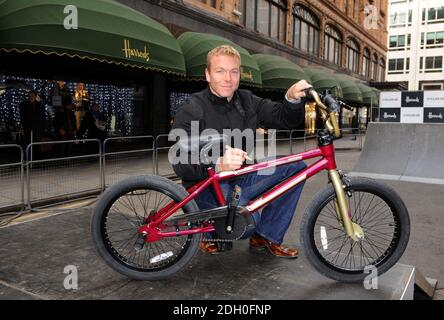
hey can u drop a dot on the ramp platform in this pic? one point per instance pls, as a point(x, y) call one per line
point(406, 152)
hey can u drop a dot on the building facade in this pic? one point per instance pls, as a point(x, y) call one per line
point(347, 36)
point(416, 43)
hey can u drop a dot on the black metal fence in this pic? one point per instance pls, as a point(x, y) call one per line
point(32, 181)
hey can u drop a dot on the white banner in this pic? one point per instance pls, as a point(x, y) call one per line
point(412, 115)
point(390, 99)
point(434, 99)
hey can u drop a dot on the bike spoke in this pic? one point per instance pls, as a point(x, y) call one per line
point(375, 217)
point(122, 221)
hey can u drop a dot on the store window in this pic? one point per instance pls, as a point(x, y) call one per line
point(430, 64)
point(399, 66)
point(366, 63)
point(400, 42)
point(332, 45)
point(114, 112)
point(432, 40)
point(381, 70)
point(433, 15)
point(374, 66)
point(305, 30)
point(352, 55)
point(265, 16)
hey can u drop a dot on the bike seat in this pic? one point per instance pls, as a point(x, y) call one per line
point(196, 144)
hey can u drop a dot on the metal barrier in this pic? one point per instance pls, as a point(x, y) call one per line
point(352, 139)
point(165, 145)
point(64, 178)
point(12, 181)
point(118, 165)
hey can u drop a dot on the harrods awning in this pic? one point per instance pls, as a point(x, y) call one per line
point(369, 97)
point(323, 80)
point(351, 93)
point(107, 32)
point(278, 72)
point(195, 47)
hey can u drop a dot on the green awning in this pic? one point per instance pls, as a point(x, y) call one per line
point(107, 32)
point(369, 97)
point(351, 93)
point(278, 72)
point(322, 80)
point(195, 47)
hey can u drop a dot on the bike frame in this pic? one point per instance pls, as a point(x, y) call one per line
point(327, 162)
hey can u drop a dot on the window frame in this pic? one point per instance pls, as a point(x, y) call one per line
point(332, 41)
point(250, 17)
point(353, 63)
point(381, 66)
point(303, 18)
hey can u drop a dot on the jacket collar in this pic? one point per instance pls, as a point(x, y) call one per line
point(219, 100)
point(224, 105)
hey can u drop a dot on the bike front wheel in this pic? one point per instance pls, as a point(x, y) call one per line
point(380, 212)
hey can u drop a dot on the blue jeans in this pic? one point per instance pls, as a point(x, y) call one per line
point(276, 216)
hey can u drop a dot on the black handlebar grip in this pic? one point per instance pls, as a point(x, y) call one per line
point(307, 91)
point(346, 106)
point(331, 103)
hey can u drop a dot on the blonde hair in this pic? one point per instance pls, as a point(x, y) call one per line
point(222, 50)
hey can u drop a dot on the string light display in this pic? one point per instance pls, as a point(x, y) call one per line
point(177, 99)
point(116, 102)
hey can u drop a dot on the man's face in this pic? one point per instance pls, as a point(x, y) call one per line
point(61, 84)
point(223, 75)
point(32, 97)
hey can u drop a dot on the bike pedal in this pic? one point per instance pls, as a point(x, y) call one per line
point(140, 241)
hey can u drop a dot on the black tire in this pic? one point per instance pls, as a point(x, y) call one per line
point(104, 237)
point(386, 227)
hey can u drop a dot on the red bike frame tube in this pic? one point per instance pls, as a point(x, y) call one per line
point(286, 185)
point(326, 163)
point(328, 152)
point(182, 203)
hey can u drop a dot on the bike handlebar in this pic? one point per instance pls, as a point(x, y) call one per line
point(329, 109)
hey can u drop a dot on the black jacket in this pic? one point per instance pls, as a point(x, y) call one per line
point(33, 118)
point(244, 111)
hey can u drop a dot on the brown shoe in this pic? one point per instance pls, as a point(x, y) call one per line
point(208, 247)
point(259, 243)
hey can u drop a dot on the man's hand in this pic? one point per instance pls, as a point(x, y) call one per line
point(232, 160)
point(297, 90)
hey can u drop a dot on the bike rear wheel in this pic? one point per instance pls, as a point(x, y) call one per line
point(381, 213)
point(122, 210)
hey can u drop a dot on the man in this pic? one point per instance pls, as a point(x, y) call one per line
point(33, 118)
point(60, 95)
point(222, 105)
point(93, 125)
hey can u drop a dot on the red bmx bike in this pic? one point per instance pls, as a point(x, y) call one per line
point(149, 227)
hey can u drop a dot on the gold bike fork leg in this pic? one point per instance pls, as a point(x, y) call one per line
point(341, 203)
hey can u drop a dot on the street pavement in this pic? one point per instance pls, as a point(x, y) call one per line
point(38, 251)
